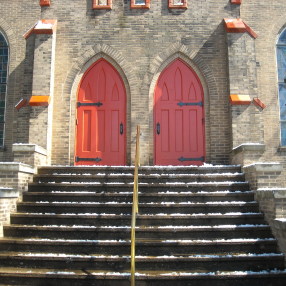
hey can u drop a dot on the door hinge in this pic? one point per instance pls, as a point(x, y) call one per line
point(79, 104)
point(77, 159)
point(183, 159)
point(190, 103)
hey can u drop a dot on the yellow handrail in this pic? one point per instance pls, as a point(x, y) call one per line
point(135, 205)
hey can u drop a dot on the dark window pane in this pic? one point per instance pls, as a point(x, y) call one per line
point(282, 38)
point(281, 63)
point(283, 133)
point(282, 100)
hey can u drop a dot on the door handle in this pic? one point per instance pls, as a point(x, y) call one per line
point(158, 127)
point(121, 128)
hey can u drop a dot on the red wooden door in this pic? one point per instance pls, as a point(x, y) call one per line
point(101, 117)
point(179, 117)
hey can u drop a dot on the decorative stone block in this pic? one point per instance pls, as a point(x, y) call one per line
point(44, 3)
point(247, 153)
point(240, 99)
point(264, 175)
point(178, 4)
point(30, 154)
point(102, 4)
point(238, 26)
point(140, 4)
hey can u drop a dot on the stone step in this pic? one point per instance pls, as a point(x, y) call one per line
point(143, 197)
point(95, 170)
point(238, 262)
point(148, 178)
point(143, 187)
point(147, 208)
point(167, 232)
point(143, 247)
point(18, 276)
point(102, 219)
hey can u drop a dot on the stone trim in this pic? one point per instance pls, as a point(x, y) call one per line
point(16, 167)
point(249, 147)
point(8, 193)
point(247, 153)
point(21, 147)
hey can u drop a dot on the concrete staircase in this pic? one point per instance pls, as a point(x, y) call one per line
point(197, 226)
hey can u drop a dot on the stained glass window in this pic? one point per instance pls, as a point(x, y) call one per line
point(281, 65)
point(4, 55)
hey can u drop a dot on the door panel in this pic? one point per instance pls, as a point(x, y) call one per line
point(101, 108)
point(178, 110)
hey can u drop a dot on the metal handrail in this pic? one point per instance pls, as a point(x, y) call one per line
point(135, 205)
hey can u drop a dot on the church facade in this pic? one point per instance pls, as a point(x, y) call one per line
point(205, 80)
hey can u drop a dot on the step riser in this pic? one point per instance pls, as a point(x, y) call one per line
point(110, 221)
point(124, 264)
point(143, 188)
point(142, 170)
point(168, 249)
point(143, 199)
point(108, 209)
point(172, 234)
point(100, 200)
point(130, 179)
point(141, 281)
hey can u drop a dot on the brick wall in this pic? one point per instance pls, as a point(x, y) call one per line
point(7, 206)
point(140, 43)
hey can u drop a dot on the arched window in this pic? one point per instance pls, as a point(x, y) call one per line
point(281, 64)
point(4, 58)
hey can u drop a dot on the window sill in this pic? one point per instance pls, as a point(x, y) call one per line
point(281, 149)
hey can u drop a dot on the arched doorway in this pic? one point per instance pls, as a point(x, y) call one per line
point(101, 117)
point(179, 117)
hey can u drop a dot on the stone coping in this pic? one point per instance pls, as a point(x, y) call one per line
point(277, 193)
point(280, 223)
point(8, 193)
point(248, 147)
point(16, 167)
point(264, 167)
point(22, 147)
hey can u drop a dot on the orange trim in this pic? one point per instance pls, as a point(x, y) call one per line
point(22, 103)
point(97, 6)
point(184, 5)
point(256, 101)
point(133, 5)
point(42, 27)
point(39, 100)
point(45, 3)
point(238, 26)
point(240, 99)
point(237, 2)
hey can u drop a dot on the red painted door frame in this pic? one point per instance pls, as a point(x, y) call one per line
point(179, 117)
point(101, 117)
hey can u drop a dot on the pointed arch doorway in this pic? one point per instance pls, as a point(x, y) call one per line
point(179, 117)
point(101, 117)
